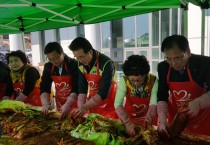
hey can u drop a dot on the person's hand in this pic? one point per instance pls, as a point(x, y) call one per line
point(179, 122)
point(81, 110)
point(46, 108)
point(198, 104)
point(130, 128)
point(21, 97)
point(6, 98)
point(78, 112)
point(65, 109)
point(194, 108)
point(162, 130)
point(45, 98)
point(162, 110)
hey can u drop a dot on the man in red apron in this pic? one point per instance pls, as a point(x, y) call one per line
point(139, 88)
point(24, 78)
point(63, 71)
point(97, 84)
point(186, 77)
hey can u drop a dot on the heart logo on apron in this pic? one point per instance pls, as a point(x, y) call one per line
point(182, 95)
point(63, 86)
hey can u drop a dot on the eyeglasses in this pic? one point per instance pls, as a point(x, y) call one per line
point(175, 59)
point(138, 80)
point(84, 56)
point(55, 58)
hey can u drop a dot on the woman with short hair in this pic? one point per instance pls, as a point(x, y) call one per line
point(25, 78)
point(139, 88)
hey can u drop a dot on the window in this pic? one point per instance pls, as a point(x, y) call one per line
point(129, 32)
point(174, 24)
point(107, 53)
point(154, 67)
point(115, 54)
point(143, 30)
point(155, 28)
point(155, 53)
point(116, 34)
point(67, 33)
point(129, 53)
point(106, 35)
point(143, 52)
point(164, 24)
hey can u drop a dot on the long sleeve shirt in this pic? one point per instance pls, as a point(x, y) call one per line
point(72, 69)
point(199, 69)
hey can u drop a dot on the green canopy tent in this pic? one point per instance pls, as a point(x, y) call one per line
point(18, 16)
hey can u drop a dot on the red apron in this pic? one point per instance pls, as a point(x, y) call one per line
point(33, 98)
point(2, 90)
point(63, 86)
point(183, 92)
point(106, 107)
point(137, 107)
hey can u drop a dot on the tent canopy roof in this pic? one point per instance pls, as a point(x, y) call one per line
point(34, 15)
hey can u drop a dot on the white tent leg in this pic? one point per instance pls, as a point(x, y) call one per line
point(16, 42)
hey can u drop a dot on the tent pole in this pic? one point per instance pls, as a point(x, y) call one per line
point(23, 42)
point(202, 31)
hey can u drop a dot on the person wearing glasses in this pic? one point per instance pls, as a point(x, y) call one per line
point(25, 79)
point(184, 79)
point(97, 80)
point(63, 71)
point(138, 90)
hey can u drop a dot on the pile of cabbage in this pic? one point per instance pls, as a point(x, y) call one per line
point(12, 105)
point(101, 131)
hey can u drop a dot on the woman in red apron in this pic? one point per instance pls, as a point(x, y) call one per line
point(187, 78)
point(63, 71)
point(99, 86)
point(139, 88)
point(25, 79)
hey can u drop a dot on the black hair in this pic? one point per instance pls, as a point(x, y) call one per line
point(136, 65)
point(175, 41)
point(80, 43)
point(53, 46)
point(19, 54)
